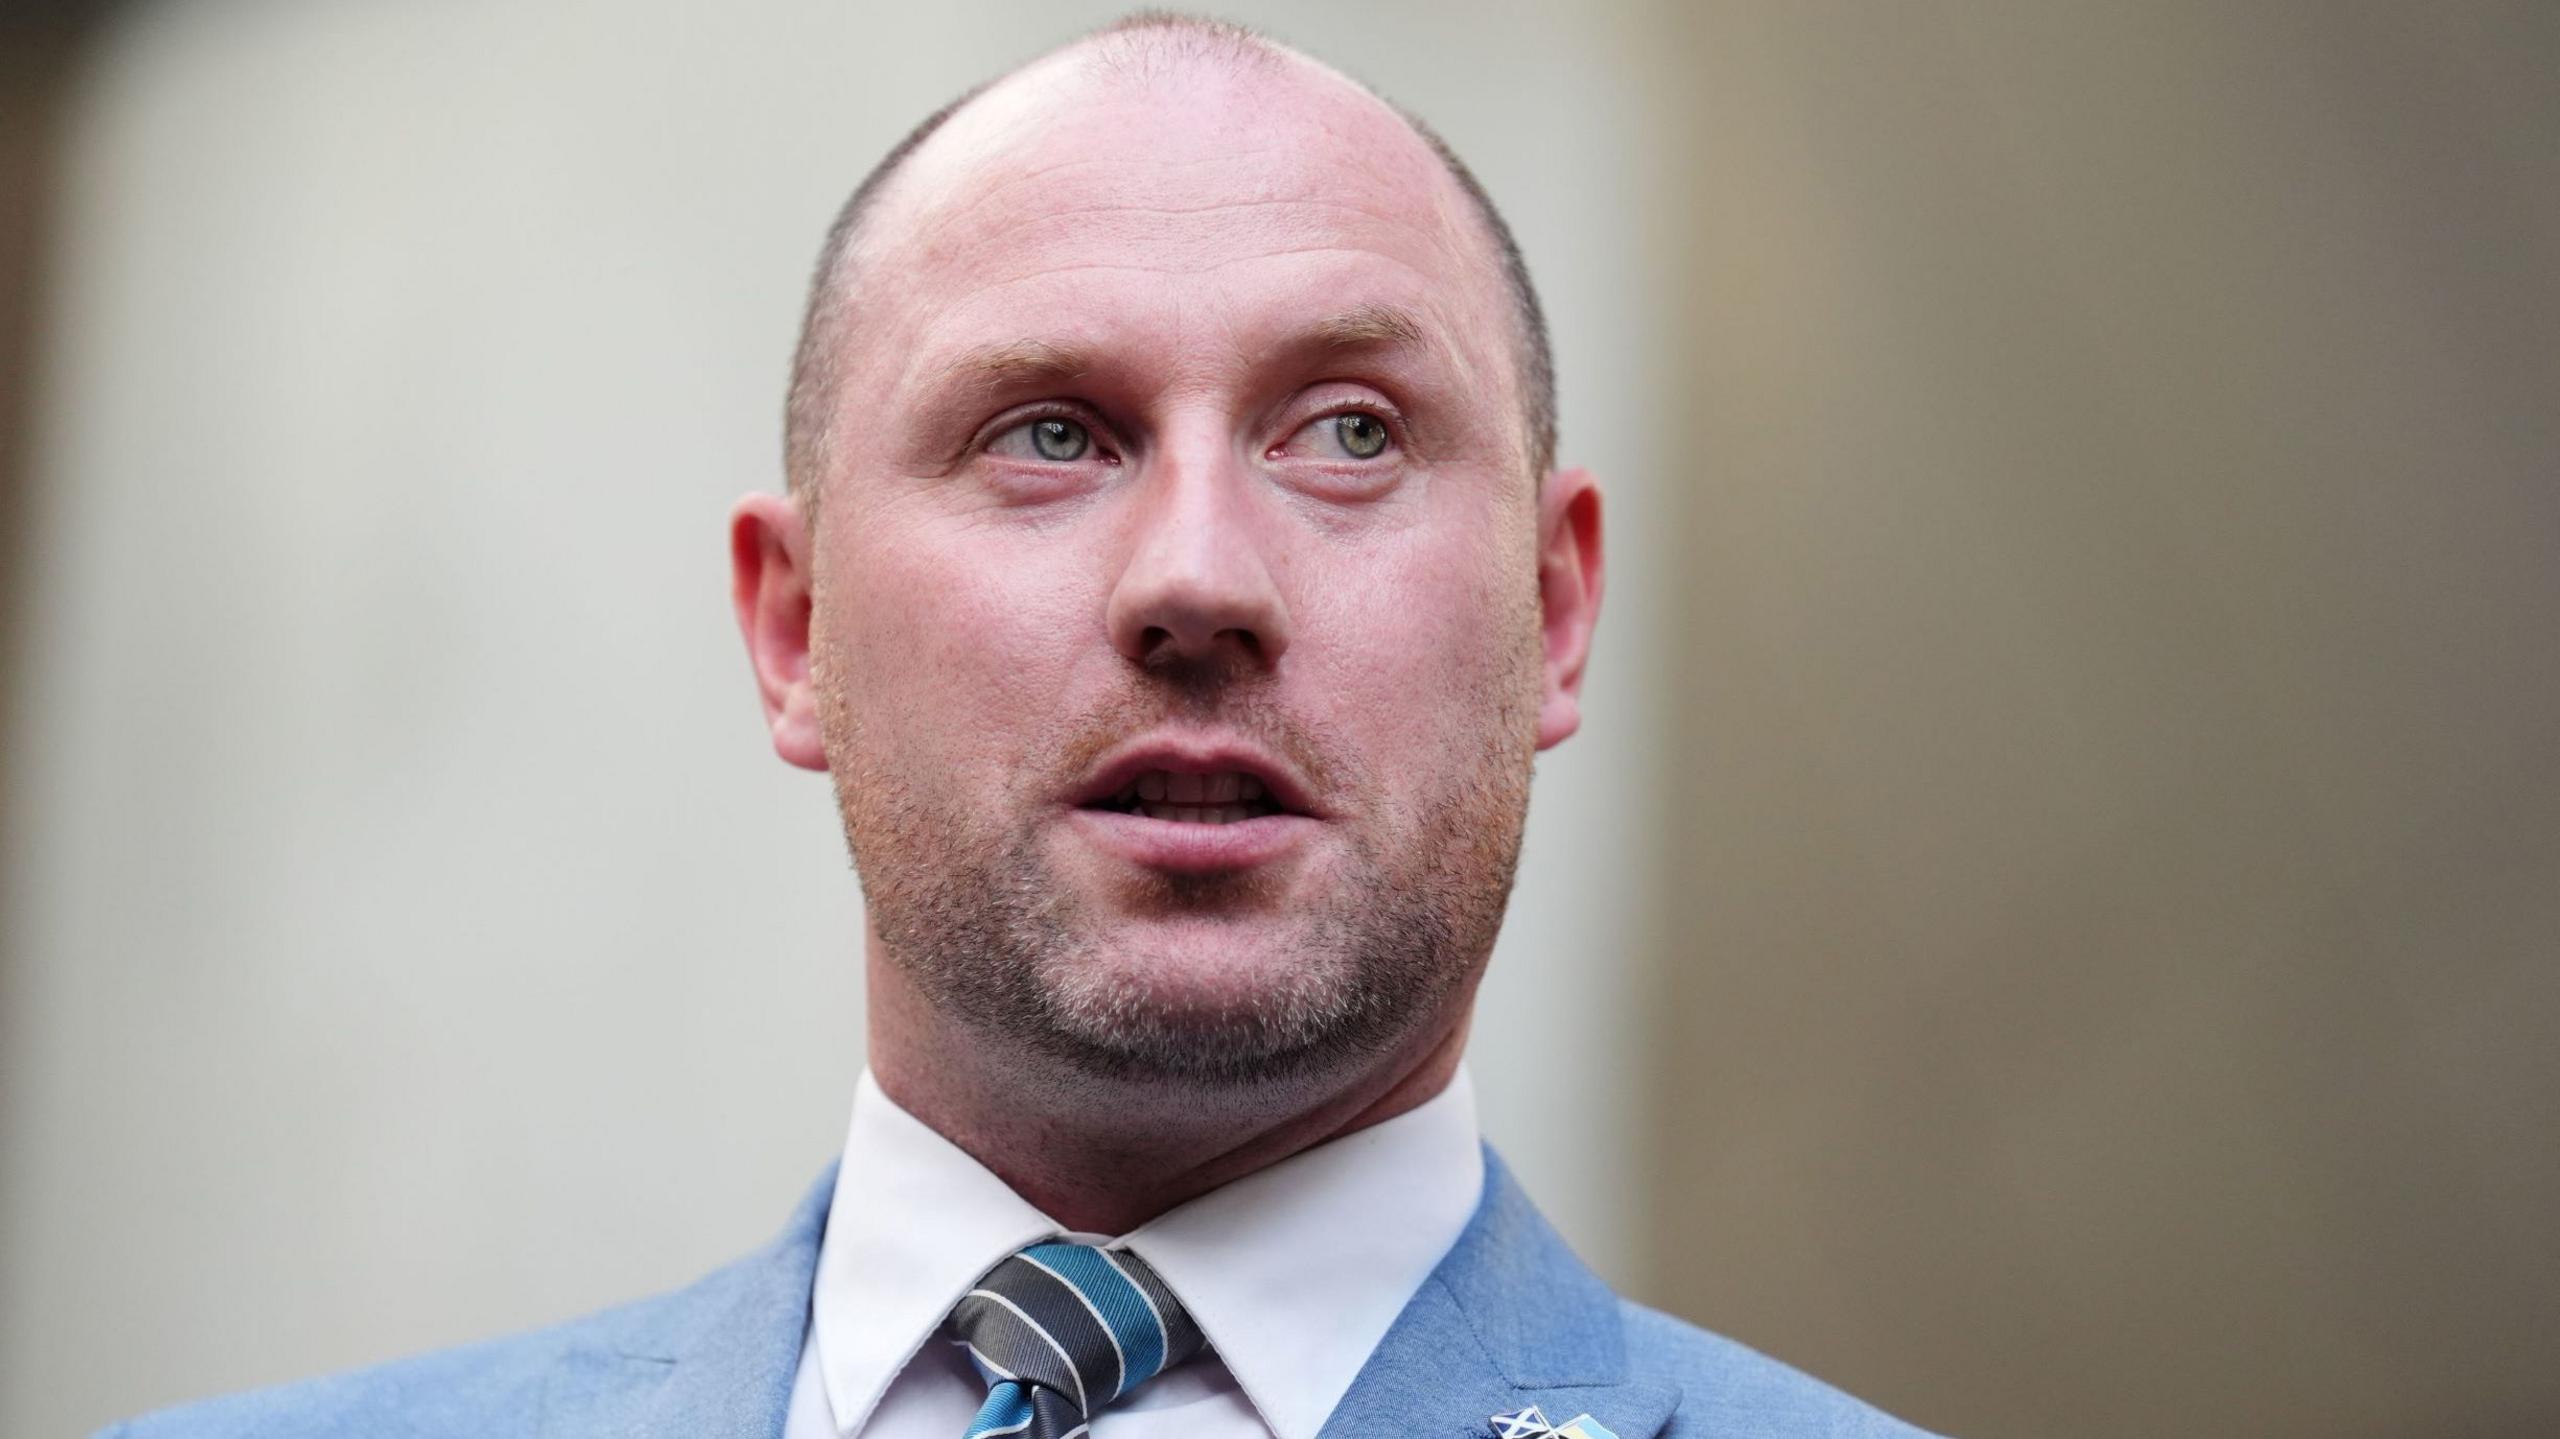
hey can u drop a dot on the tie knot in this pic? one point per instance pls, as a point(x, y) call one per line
point(1084, 1323)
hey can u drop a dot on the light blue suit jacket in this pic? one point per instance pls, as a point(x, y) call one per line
point(1509, 1319)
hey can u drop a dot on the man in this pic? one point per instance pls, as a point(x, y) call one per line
point(1175, 581)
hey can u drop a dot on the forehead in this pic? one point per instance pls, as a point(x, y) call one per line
point(1089, 199)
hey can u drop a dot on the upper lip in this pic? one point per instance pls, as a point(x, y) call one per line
point(1122, 766)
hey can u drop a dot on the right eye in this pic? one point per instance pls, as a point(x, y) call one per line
point(1051, 440)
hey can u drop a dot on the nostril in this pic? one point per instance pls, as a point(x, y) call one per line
point(1218, 650)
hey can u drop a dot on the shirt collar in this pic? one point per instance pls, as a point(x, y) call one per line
point(1294, 1272)
point(913, 1224)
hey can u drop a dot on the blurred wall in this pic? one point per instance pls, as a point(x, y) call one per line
point(2117, 979)
point(410, 934)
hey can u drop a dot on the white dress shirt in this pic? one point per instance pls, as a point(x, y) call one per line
point(1294, 1273)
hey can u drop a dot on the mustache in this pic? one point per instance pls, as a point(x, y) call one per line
point(1241, 711)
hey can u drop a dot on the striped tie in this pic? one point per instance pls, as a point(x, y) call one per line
point(1060, 1330)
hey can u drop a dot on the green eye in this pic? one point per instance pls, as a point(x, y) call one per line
point(1363, 437)
point(1060, 440)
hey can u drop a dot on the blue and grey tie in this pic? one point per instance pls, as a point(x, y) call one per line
point(1060, 1330)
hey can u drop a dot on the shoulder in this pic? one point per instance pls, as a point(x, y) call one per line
point(734, 1334)
point(733, 1329)
point(491, 1389)
point(1552, 1328)
point(495, 1389)
point(1733, 1391)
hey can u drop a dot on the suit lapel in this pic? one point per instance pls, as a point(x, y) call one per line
point(1509, 1319)
point(716, 1362)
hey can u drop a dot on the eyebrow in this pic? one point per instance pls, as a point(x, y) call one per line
point(1363, 327)
point(1011, 363)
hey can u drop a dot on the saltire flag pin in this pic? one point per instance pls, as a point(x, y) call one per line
point(1529, 1423)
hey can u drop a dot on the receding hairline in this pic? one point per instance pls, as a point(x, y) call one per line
point(1145, 42)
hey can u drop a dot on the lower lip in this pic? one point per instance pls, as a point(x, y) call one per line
point(1179, 848)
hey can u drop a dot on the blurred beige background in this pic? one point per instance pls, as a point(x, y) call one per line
point(2055, 921)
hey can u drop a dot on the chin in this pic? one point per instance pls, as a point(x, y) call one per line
point(1212, 973)
point(1197, 1000)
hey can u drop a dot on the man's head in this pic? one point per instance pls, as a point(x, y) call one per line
point(1145, 39)
point(1169, 583)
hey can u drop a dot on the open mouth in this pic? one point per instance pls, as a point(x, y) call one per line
point(1217, 797)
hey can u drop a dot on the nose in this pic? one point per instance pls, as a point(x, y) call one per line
point(1198, 587)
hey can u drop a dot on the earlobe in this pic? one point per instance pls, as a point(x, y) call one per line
point(1558, 717)
point(769, 587)
point(1569, 582)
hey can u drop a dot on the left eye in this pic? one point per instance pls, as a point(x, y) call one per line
point(1351, 435)
point(1055, 440)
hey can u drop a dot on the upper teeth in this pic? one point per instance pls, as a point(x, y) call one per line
point(1224, 787)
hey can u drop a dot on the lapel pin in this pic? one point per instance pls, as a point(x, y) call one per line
point(1529, 1423)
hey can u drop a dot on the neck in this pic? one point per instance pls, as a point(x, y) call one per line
point(1105, 1155)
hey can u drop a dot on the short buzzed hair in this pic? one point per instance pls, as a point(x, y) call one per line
point(809, 409)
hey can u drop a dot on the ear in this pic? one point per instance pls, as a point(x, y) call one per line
point(1569, 575)
point(769, 585)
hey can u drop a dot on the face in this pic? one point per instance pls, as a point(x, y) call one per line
point(1180, 607)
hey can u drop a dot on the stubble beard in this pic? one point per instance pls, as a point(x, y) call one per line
point(976, 918)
